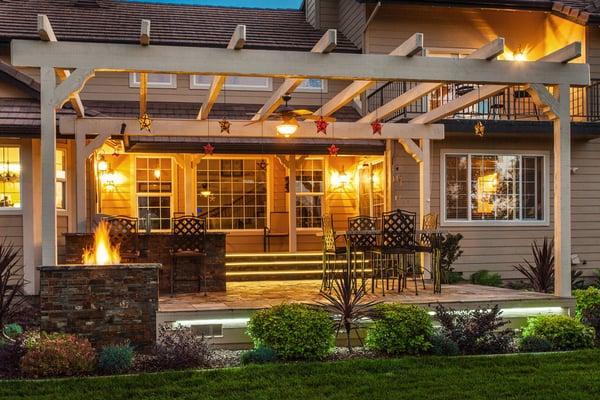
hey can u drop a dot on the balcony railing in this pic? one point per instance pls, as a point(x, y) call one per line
point(513, 103)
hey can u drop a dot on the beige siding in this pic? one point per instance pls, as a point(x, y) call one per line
point(498, 248)
point(593, 51)
point(352, 20)
point(11, 230)
point(311, 12)
point(328, 14)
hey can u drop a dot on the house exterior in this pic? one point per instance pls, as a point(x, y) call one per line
point(497, 190)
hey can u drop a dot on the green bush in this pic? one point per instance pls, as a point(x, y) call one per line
point(58, 354)
point(563, 332)
point(486, 278)
point(442, 345)
point(293, 331)
point(400, 329)
point(586, 299)
point(115, 359)
point(13, 330)
point(258, 355)
point(534, 344)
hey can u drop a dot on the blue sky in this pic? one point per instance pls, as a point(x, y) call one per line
point(234, 3)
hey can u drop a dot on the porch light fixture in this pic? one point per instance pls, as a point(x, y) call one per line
point(340, 179)
point(102, 165)
point(288, 127)
point(156, 173)
point(520, 54)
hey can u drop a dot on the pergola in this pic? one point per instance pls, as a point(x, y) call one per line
point(74, 63)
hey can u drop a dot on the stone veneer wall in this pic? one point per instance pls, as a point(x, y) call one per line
point(106, 304)
point(155, 249)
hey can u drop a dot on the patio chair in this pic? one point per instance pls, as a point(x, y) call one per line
point(188, 238)
point(274, 230)
point(428, 243)
point(123, 232)
point(397, 248)
point(364, 243)
point(331, 252)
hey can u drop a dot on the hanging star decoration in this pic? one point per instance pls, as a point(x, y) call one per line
point(376, 126)
point(479, 129)
point(145, 122)
point(321, 126)
point(225, 125)
point(262, 164)
point(208, 149)
point(333, 150)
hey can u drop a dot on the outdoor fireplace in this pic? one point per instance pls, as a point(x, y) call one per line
point(101, 298)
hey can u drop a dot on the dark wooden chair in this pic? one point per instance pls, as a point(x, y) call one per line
point(430, 244)
point(331, 252)
point(123, 232)
point(188, 237)
point(362, 246)
point(274, 230)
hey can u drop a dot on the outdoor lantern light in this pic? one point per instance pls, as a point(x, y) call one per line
point(340, 179)
point(102, 164)
point(288, 127)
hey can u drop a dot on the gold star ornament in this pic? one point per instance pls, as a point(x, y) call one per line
point(145, 122)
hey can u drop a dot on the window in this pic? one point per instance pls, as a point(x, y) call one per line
point(154, 188)
point(313, 85)
point(10, 178)
point(309, 193)
point(233, 82)
point(370, 189)
point(232, 193)
point(61, 179)
point(154, 80)
point(494, 187)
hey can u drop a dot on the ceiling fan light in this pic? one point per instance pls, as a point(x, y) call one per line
point(287, 128)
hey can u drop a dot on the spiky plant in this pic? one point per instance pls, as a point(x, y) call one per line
point(11, 284)
point(348, 303)
point(541, 273)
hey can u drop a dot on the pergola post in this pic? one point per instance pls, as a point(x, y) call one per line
point(424, 187)
point(48, 164)
point(562, 194)
point(80, 181)
point(293, 244)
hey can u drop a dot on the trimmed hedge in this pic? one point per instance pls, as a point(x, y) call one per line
point(561, 331)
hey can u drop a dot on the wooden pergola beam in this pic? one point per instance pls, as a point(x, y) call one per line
point(489, 51)
point(47, 34)
point(325, 45)
point(413, 45)
point(563, 55)
point(69, 125)
point(237, 41)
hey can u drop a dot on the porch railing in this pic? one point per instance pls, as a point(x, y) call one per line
point(513, 103)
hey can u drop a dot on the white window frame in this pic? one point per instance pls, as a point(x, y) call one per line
point(15, 210)
point(313, 90)
point(322, 194)
point(204, 86)
point(479, 152)
point(149, 194)
point(135, 83)
point(65, 181)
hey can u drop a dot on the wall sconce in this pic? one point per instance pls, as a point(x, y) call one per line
point(110, 180)
point(340, 180)
point(102, 165)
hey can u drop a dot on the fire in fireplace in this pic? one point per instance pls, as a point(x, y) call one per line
point(102, 253)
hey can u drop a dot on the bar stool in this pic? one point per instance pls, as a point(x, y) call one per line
point(123, 232)
point(188, 238)
point(365, 243)
point(331, 252)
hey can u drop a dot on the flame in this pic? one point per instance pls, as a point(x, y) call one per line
point(102, 253)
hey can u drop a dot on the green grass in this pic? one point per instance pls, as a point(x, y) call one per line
point(549, 376)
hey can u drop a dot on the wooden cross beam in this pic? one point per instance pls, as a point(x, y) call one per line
point(409, 48)
point(47, 34)
point(237, 41)
point(325, 45)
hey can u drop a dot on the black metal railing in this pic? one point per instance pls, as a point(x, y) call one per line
point(513, 103)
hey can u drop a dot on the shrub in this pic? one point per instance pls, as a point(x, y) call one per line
point(534, 344)
point(563, 332)
point(442, 345)
point(58, 355)
point(178, 347)
point(293, 331)
point(115, 359)
point(591, 317)
point(258, 355)
point(586, 299)
point(400, 329)
point(486, 278)
point(476, 331)
point(450, 253)
point(10, 357)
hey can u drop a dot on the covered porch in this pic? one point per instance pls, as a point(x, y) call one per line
point(194, 144)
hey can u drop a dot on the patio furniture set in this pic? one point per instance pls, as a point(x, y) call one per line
point(383, 251)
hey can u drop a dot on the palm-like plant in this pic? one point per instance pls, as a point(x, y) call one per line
point(347, 303)
point(541, 273)
point(11, 284)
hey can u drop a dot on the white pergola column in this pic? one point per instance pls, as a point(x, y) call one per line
point(293, 244)
point(425, 191)
point(562, 194)
point(80, 181)
point(48, 164)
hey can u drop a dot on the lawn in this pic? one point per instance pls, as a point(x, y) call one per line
point(550, 376)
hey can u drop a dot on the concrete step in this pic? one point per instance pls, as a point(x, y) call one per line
point(275, 276)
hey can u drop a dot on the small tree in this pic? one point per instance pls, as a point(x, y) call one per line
point(11, 284)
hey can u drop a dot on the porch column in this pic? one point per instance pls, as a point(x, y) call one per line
point(425, 191)
point(189, 189)
point(80, 184)
point(48, 164)
point(293, 244)
point(562, 194)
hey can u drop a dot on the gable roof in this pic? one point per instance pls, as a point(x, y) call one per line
point(20, 80)
point(179, 25)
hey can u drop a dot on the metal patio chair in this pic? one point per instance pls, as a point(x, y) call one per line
point(364, 243)
point(331, 252)
point(428, 243)
point(123, 232)
point(188, 239)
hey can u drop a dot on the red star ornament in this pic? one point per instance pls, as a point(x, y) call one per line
point(208, 149)
point(333, 150)
point(376, 126)
point(321, 126)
